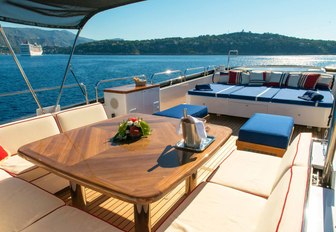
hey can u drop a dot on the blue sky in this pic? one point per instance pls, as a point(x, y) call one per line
point(312, 19)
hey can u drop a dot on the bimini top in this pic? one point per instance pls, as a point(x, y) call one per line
point(67, 14)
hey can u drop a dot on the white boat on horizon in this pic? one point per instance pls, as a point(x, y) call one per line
point(28, 49)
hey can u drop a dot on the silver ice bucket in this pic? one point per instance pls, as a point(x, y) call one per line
point(189, 133)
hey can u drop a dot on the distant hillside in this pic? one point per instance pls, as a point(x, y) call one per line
point(246, 42)
point(47, 38)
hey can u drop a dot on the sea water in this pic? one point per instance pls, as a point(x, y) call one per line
point(48, 70)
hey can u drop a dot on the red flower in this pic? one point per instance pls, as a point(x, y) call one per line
point(133, 119)
point(135, 131)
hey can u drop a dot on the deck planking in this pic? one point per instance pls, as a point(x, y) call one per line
point(120, 213)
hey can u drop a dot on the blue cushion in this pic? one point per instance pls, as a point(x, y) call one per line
point(291, 96)
point(231, 89)
point(177, 111)
point(215, 88)
point(255, 93)
point(267, 129)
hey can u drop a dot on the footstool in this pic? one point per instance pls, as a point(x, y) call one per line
point(266, 133)
point(197, 111)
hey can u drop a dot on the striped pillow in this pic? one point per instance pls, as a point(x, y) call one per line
point(245, 78)
point(257, 78)
point(325, 82)
point(309, 80)
point(223, 78)
point(292, 80)
point(276, 79)
point(234, 77)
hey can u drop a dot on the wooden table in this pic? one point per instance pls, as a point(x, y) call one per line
point(141, 172)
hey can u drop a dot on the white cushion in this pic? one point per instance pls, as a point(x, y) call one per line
point(248, 171)
point(325, 81)
point(277, 78)
point(245, 78)
point(284, 209)
point(221, 77)
point(80, 116)
point(257, 78)
point(293, 80)
point(70, 219)
point(212, 207)
point(22, 204)
point(259, 174)
point(16, 134)
point(17, 165)
point(4, 175)
point(298, 154)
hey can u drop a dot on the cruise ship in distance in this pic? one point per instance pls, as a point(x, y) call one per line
point(28, 49)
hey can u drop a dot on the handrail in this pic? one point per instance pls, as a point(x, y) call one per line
point(142, 76)
point(231, 52)
point(168, 72)
point(196, 68)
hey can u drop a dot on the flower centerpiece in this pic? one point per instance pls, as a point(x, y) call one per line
point(133, 128)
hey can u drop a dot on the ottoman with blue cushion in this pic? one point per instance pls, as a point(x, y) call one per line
point(266, 133)
point(177, 111)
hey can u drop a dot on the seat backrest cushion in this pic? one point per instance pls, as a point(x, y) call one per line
point(284, 209)
point(80, 116)
point(16, 134)
point(297, 154)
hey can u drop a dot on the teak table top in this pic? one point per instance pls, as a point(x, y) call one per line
point(140, 172)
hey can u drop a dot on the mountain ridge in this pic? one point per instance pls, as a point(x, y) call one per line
point(248, 43)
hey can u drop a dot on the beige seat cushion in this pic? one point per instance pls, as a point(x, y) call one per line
point(213, 207)
point(259, 174)
point(70, 219)
point(14, 135)
point(22, 204)
point(17, 165)
point(284, 209)
point(80, 116)
point(248, 171)
point(4, 175)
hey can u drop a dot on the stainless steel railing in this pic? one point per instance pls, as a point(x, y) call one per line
point(230, 53)
point(142, 76)
point(168, 73)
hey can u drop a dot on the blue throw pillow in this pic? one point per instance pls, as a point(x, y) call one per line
point(203, 87)
point(311, 96)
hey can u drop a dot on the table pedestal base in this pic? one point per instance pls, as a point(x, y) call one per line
point(77, 195)
point(142, 218)
point(191, 183)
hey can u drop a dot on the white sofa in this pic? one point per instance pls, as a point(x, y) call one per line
point(249, 192)
point(269, 92)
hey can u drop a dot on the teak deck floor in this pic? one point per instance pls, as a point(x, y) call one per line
point(120, 213)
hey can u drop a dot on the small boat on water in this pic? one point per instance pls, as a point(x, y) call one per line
point(28, 49)
point(252, 196)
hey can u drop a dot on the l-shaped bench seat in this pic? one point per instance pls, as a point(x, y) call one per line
point(249, 192)
point(244, 101)
point(16, 134)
